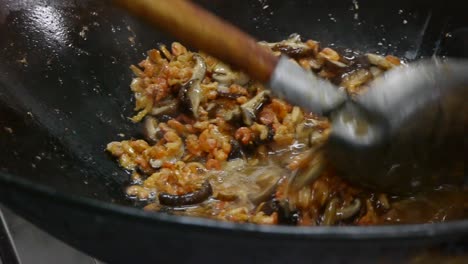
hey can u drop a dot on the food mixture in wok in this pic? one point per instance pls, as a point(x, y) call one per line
point(219, 145)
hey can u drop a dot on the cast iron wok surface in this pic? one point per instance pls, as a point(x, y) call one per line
point(64, 94)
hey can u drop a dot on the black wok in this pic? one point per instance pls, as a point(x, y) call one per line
point(64, 94)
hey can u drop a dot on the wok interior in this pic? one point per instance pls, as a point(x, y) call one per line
point(64, 76)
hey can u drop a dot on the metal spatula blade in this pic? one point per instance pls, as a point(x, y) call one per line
point(408, 131)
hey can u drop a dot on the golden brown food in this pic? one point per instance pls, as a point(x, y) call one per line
point(219, 145)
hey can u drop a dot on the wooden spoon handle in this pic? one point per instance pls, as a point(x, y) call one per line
point(199, 28)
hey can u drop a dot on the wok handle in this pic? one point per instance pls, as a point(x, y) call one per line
point(200, 29)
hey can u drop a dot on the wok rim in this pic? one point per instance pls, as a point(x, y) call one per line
point(353, 233)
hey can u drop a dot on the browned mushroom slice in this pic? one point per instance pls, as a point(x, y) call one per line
point(329, 215)
point(150, 128)
point(225, 76)
point(311, 132)
point(294, 50)
point(379, 61)
point(348, 211)
point(194, 91)
point(333, 214)
point(195, 197)
point(165, 107)
point(335, 65)
point(183, 98)
point(354, 80)
point(293, 47)
point(250, 108)
point(305, 176)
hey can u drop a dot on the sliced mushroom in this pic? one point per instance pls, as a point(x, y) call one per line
point(150, 129)
point(194, 92)
point(379, 61)
point(183, 96)
point(348, 211)
point(293, 47)
point(232, 113)
point(190, 94)
point(236, 151)
point(225, 76)
point(332, 64)
point(294, 50)
point(195, 197)
point(293, 38)
point(354, 80)
point(311, 172)
point(333, 214)
point(312, 132)
point(199, 70)
point(287, 215)
point(331, 60)
point(329, 215)
point(163, 108)
point(250, 108)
